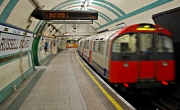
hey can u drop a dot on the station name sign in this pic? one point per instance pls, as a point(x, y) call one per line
point(64, 15)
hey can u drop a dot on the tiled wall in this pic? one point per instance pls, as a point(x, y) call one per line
point(10, 60)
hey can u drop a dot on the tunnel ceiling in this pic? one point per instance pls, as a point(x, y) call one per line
point(109, 11)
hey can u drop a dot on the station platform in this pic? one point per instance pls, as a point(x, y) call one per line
point(65, 83)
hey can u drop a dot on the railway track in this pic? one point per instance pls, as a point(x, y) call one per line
point(168, 101)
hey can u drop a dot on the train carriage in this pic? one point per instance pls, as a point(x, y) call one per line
point(139, 56)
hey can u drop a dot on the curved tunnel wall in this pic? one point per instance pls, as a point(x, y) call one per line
point(17, 12)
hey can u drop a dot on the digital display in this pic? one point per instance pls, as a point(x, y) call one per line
point(56, 15)
point(69, 15)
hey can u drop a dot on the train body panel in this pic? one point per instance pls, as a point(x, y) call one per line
point(140, 54)
point(165, 68)
point(146, 70)
point(120, 73)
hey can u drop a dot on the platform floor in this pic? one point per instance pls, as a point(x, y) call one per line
point(63, 84)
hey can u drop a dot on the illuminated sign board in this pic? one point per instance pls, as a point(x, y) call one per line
point(64, 15)
point(146, 28)
point(69, 15)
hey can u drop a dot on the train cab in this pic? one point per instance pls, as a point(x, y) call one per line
point(142, 54)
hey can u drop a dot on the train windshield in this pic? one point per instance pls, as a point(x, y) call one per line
point(125, 44)
point(164, 44)
point(146, 43)
point(128, 44)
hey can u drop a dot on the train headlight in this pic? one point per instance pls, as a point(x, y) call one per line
point(165, 64)
point(126, 64)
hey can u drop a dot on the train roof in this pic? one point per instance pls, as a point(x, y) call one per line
point(105, 35)
point(90, 37)
point(141, 27)
point(144, 27)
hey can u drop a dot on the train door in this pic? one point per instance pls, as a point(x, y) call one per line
point(107, 58)
point(91, 49)
point(146, 55)
point(83, 44)
point(165, 58)
point(95, 49)
point(156, 60)
point(107, 51)
point(86, 49)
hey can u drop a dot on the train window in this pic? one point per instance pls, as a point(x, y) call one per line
point(95, 46)
point(80, 43)
point(125, 44)
point(108, 45)
point(101, 47)
point(146, 43)
point(164, 44)
point(87, 44)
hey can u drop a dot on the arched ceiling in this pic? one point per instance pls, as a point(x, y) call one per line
point(109, 11)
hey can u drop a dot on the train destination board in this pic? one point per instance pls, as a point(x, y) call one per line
point(64, 15)
point(70, 15)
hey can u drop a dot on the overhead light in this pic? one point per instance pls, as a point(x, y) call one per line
point(86, 4)
point(66, 34)
point(85, 7)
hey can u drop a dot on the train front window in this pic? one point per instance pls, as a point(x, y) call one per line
point(146, 43)
point(125, 44)
point(164, 44)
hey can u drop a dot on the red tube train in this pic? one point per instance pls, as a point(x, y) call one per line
point(139, 56)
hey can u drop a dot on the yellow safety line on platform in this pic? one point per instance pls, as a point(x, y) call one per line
point(101, 88)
